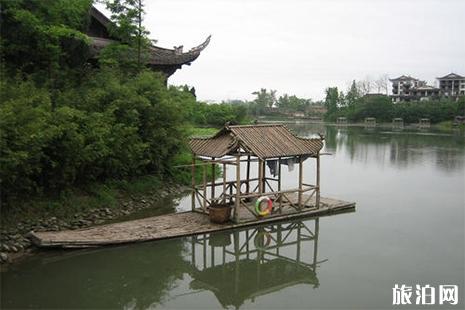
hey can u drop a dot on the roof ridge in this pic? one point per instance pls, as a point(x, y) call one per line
point(255, 125)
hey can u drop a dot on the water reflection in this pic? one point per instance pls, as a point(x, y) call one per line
point(235, 266)
point(399, 148)
point(246, 264)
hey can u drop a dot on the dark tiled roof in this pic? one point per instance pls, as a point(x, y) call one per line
point(451, 76)
point(158, 55)
point(264, 141)
point(403, 78)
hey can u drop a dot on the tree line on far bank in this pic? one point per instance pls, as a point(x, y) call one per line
point(356, 106)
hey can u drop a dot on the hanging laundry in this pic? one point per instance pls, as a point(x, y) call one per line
point(273, 166)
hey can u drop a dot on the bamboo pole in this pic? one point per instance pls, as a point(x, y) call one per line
point(317, 197)
point(279, 185)
point(213, 180)
point(224, 183)
point(205, 188)
point(248, 174)
point(300, 181)
point(263, 175)
point(193, 183)
point(238, 188)
point(260, 176)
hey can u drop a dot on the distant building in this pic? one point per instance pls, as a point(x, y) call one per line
point(425, 92)
point(402, 87)
point(452, 85)
point(407, 88)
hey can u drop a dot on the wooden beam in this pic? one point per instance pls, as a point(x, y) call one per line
point(238, 188)
point(224, 183)
point(204, 188)
point(317, 198)
point(193, 183)
point(263, 175)
point(213, 180)
point(300, 181)
point(279, 185)
point(248, 174)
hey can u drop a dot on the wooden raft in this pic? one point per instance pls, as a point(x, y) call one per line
point(168, 226)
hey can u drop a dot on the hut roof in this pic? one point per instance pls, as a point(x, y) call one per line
point(264, 141)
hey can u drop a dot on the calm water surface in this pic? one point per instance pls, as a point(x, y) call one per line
point(408, 228)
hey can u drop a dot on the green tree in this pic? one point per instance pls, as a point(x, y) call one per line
point(331, 99)
point(132, 52)
point(45, 39)
point(353, 94)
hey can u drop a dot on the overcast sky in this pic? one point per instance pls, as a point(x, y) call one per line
point(303, 46)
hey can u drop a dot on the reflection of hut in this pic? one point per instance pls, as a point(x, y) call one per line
point(370, 121)
point(247, 269)
point(341, 120)
point(269, 145)
point(424, 123)
point(398, 122)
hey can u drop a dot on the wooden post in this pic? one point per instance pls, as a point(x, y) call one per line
point(213, 181)
point(300, 181)
point(299, 235)
point(248, 174)
point(193, 183)
point(224, 183)
point(238, 188)
point(279, 184)
point(260, 176)
point(264, 176)
point(317, 198)
point(204, 188)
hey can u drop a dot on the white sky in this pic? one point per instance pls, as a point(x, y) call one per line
point(303, 46)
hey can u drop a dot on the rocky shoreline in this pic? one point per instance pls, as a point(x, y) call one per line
point(15, 244)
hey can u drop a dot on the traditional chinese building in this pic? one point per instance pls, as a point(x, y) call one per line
point(161, 59)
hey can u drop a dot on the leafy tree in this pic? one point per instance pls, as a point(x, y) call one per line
point(45, 39)
point(352, 94)
point(133, 51)
point(332, 99)
point(264, 99)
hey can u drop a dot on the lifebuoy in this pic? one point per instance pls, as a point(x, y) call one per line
point(269, 206)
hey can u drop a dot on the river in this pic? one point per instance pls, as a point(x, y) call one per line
point(408, 228)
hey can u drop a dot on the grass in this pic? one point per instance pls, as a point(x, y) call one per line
point(203, 131)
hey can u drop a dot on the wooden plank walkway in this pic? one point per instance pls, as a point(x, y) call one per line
point(170, 226)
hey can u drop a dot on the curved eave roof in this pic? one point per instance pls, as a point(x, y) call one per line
point(158, 55)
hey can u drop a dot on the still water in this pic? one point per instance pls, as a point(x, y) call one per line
point(408, 228)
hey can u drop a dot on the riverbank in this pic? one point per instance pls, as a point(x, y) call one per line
point(446, 125)
point(96, 204)
point(77, 210)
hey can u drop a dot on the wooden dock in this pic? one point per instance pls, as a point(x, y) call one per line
point(173, 225)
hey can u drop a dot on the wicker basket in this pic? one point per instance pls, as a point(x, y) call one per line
point(219, 213)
